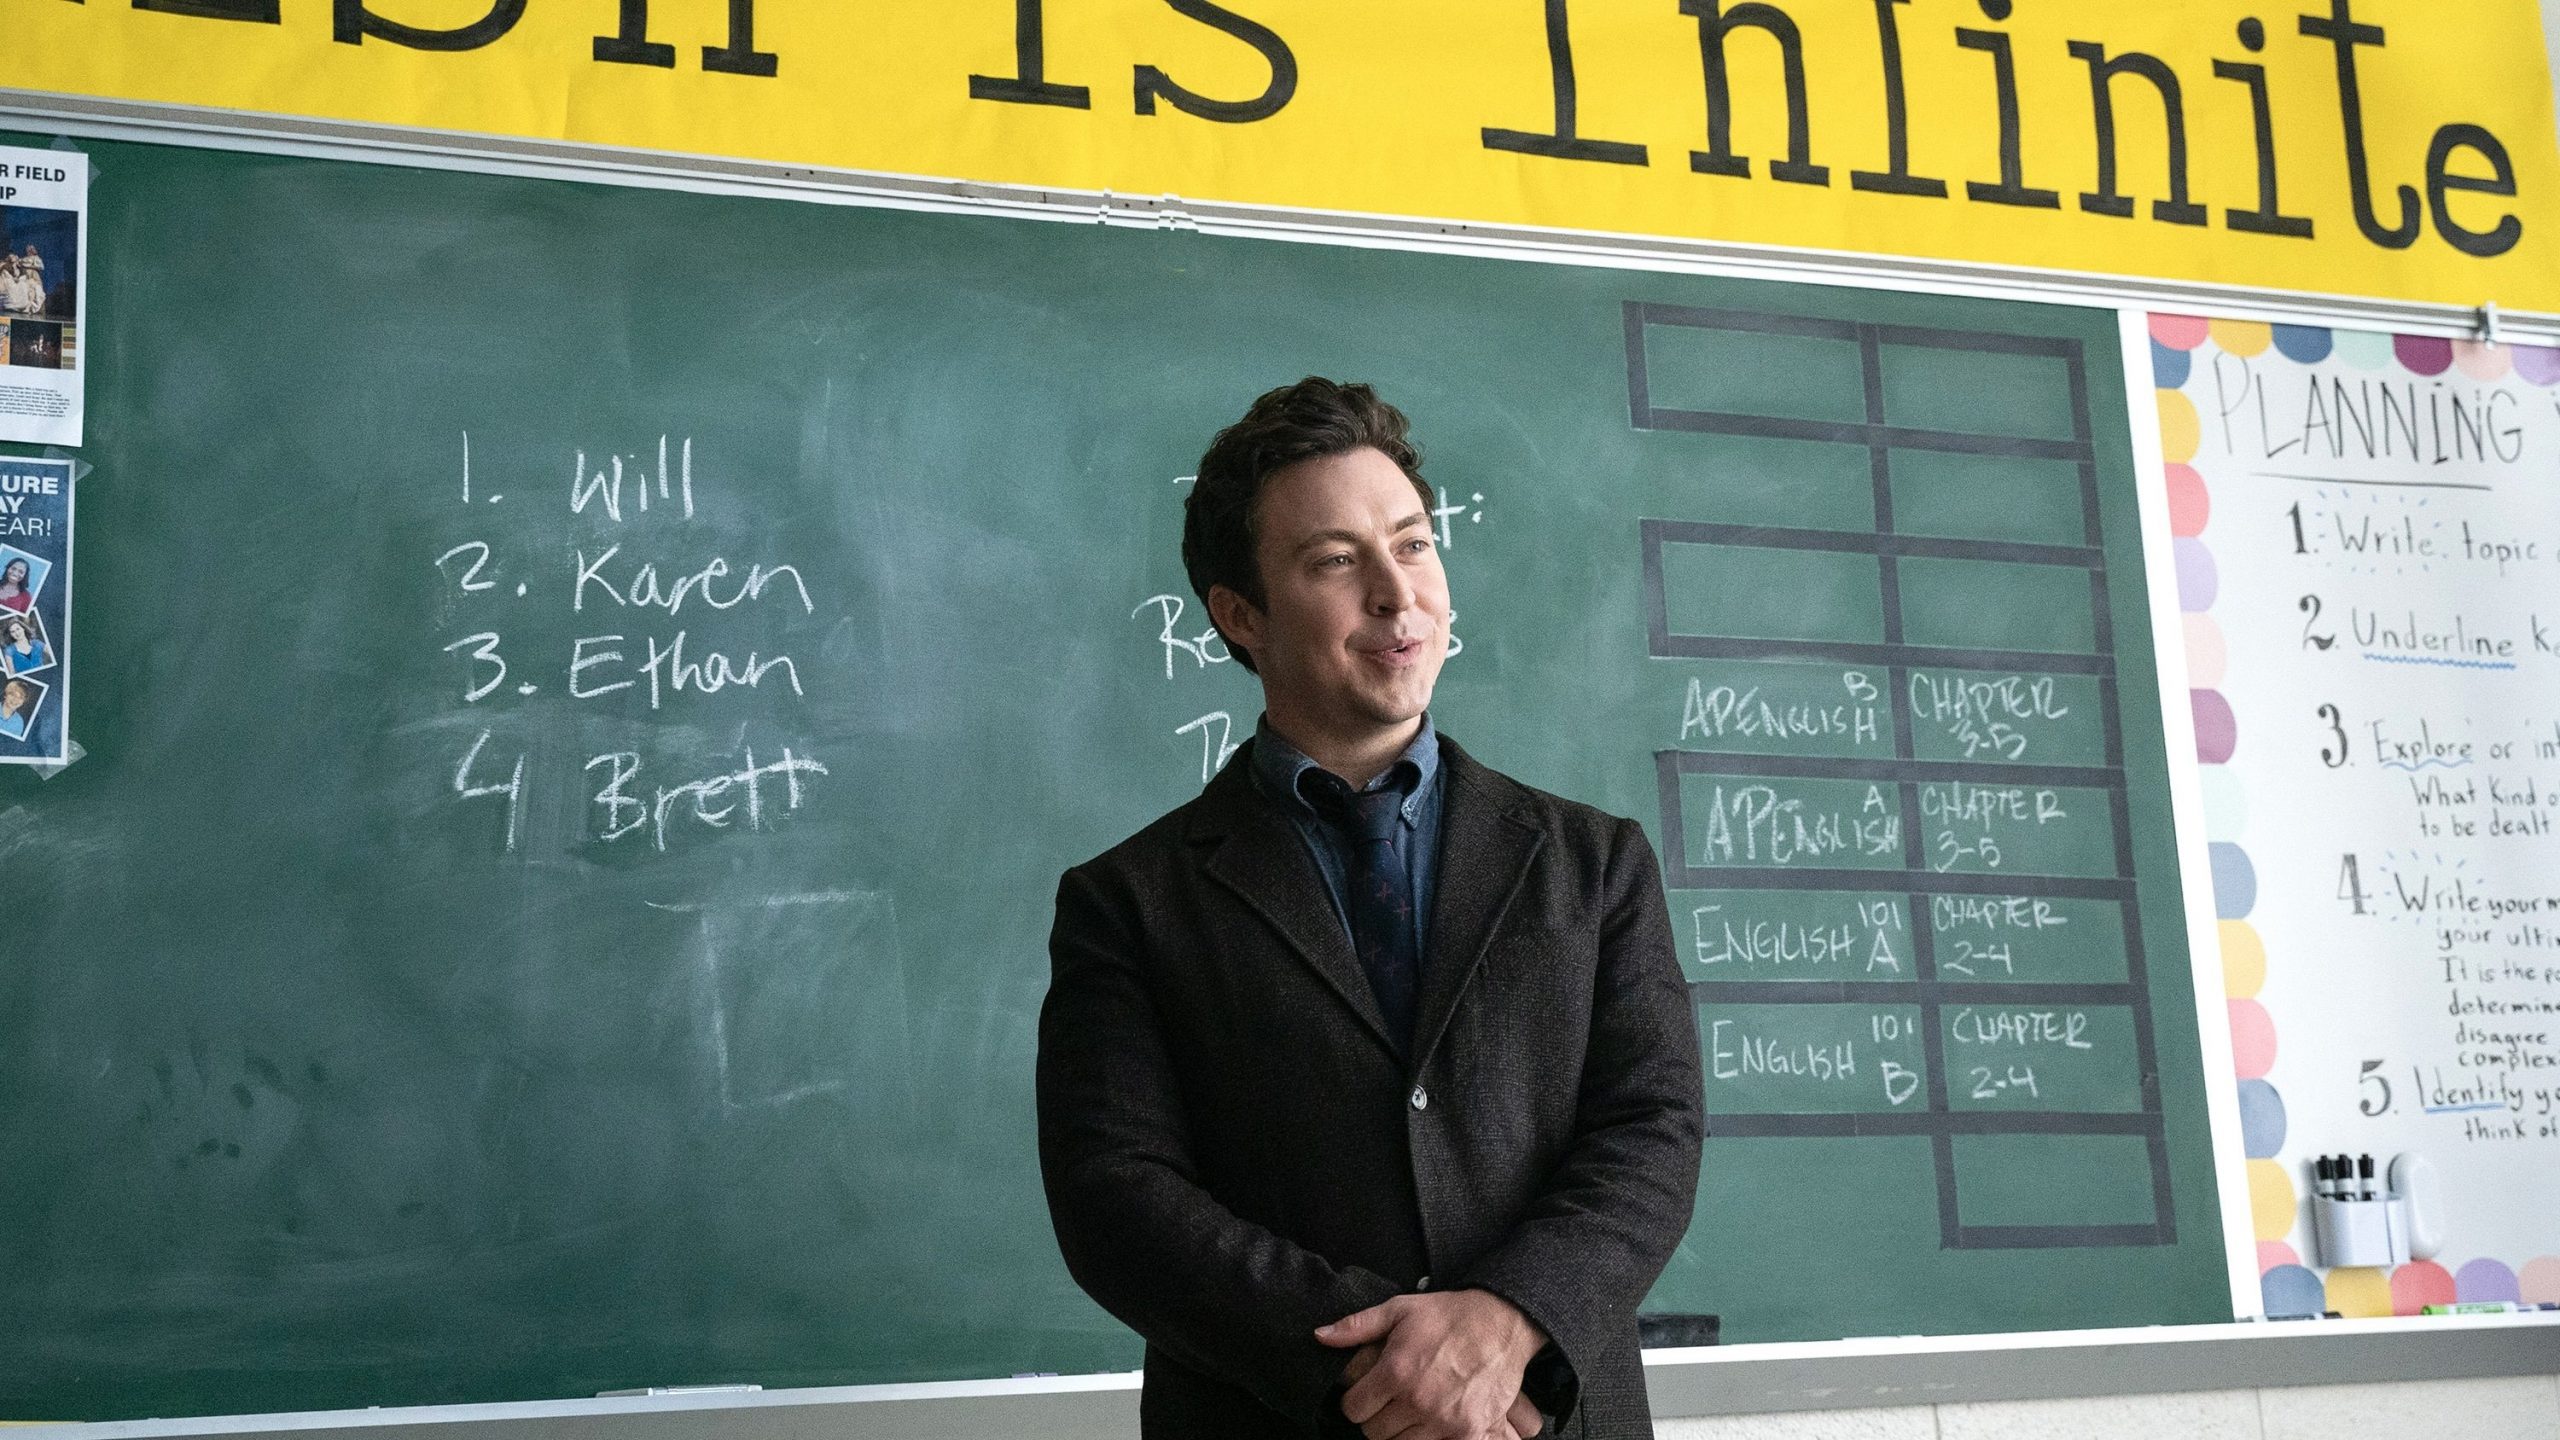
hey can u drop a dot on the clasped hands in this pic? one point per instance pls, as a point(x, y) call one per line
point(1440, 1365)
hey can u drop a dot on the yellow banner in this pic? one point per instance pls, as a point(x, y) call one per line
point(2401, 149)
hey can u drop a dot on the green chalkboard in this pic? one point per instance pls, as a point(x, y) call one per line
point(586, 694)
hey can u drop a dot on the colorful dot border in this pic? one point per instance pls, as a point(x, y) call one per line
point(2286, 1285)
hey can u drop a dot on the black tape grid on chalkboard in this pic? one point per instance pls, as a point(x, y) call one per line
point(1941, 1123)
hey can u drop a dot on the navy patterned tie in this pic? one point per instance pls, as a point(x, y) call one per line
point(1378, 893)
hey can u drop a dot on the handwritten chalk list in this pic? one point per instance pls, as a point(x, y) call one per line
point(658, 622)
point(1891, 771)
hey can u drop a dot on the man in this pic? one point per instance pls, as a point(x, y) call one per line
point(1368, 1083)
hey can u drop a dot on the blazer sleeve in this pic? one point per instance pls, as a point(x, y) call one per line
point(1592, 1242)
point(1223, 1295)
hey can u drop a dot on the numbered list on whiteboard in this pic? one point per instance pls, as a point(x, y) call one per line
point(2372, 575)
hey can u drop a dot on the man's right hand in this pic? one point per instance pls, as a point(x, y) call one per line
point(1521, 1423)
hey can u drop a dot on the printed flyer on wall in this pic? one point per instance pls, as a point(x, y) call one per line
point(35, 611)
point(44, 262)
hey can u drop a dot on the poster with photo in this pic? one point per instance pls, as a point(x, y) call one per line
point(44, 265)
point(35, 611)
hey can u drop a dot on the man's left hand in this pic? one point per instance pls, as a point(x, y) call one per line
point(1448, 1365)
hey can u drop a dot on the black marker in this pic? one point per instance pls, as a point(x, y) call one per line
point(2346, 1177)
point(2364, 1169)
point(2327, 1189)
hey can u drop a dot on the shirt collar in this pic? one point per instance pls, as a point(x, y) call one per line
point(1280, 766)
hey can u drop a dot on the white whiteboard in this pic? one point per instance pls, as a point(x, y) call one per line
point(2368, 556)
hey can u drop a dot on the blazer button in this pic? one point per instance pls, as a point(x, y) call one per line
point(1420, 1098)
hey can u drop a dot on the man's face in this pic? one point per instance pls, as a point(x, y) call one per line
point(1355, 621)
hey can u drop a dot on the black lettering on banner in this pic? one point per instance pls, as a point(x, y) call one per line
point(1030, 83)
point(356, 23)
point(2013, 188)
point(1896, 178)
point(2498, 239)
point(631, 44)
point(2342, 30)
point(1714, 24)
point(740, 56)
point(1565, 142)
point(1152, 82)
point(2268, 218)
point(2108, 199)
point(262, 12)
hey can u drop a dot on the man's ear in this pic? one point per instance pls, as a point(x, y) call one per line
point(1238, 619)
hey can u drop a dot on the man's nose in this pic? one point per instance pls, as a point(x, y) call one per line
point(1391, 591)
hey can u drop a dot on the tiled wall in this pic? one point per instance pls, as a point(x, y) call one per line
point(2509, 1409)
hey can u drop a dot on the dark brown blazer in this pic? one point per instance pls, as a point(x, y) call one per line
point(1234, 1154)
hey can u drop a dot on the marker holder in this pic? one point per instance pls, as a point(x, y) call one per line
point(2361, 1232)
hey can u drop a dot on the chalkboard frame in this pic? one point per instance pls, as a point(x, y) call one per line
point(1765, 1378)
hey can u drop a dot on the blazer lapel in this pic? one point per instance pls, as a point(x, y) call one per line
point(1261, 857)
point(1485, 850)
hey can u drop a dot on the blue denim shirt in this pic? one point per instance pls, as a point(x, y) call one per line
point(1279, 766)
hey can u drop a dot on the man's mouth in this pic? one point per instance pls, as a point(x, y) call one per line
point(1398, 652)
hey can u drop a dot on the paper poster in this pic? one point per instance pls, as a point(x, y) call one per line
point(35, 610)
point(2368, 552)
point(44, 203)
